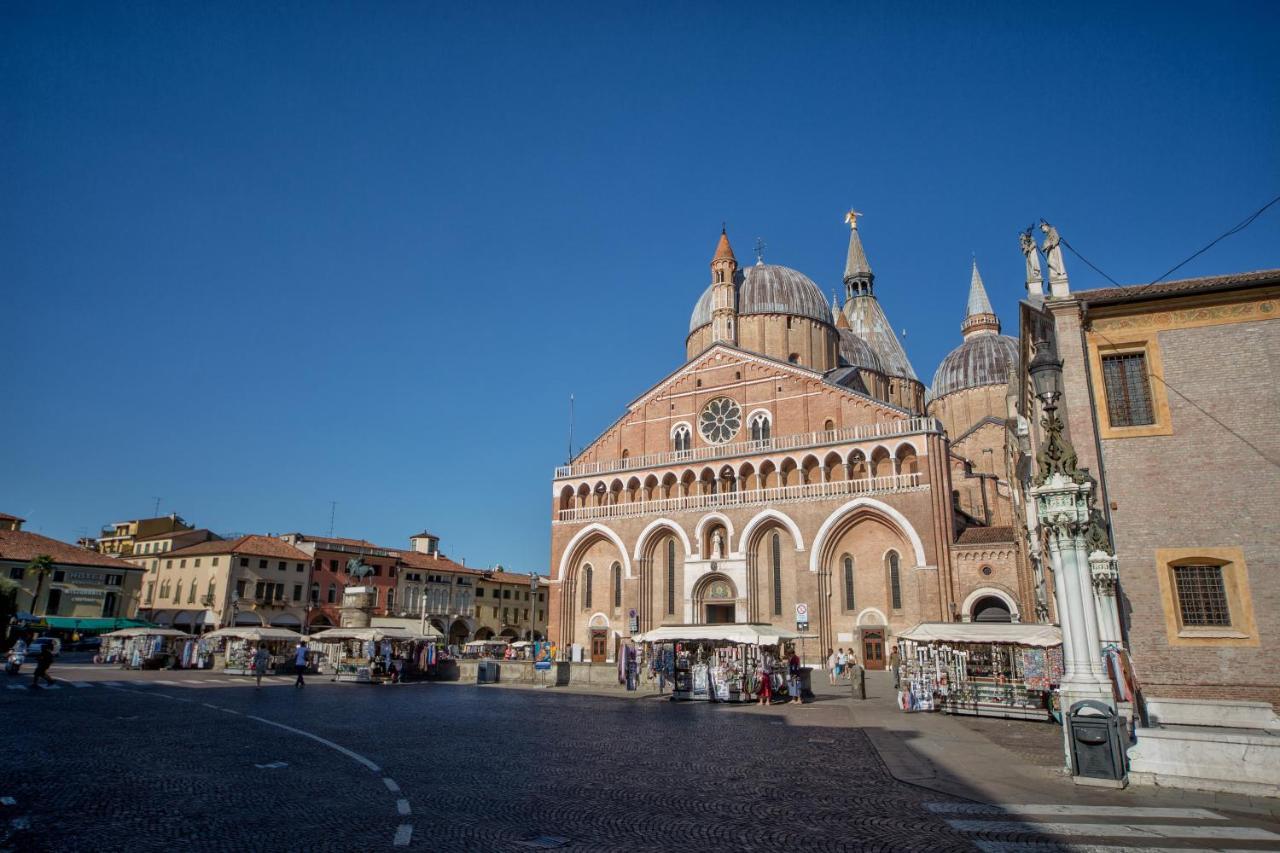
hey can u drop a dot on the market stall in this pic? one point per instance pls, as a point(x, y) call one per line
point(719, 663)
point(981, 668)
point(491, 648)
point(233, 648)
point(375, 655)
point(143, 648)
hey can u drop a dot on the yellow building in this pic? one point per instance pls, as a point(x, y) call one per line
point(119, 538)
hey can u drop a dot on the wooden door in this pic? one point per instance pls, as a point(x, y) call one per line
point(598, 640)
point(873, 649)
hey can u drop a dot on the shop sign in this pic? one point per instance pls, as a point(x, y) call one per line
point(85, 577)
point(542, 664)
point(633, 621)
point(802, 616)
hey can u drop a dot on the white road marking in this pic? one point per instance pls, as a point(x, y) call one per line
point(1065, 847)
point(81, 683)
point(402, 806)
point(391, 784)
point(8, 801)
point(53, 687)
point(17, 687)
point(274, 765)
point(355, 756)
point(1072, 811)
point(404, 832)
point(1118, 830)
point(214, 707)
point(162, 681)
point(110, 684)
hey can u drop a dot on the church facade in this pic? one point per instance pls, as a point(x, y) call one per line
point(796, 470)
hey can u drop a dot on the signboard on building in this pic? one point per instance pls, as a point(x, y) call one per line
point(633, 621)
point(802, 616)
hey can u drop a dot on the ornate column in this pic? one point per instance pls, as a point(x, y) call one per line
point(1104, 570)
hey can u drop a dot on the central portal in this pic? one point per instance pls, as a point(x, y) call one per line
point(721, 614)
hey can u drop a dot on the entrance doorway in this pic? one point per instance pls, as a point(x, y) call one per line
point(721, 614)
point(873, 649)
point(598, 641)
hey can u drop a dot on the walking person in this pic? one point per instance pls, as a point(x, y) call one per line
point(261, 660)
point(793, 678)
point(765, 696)
point(842, 662)
point(833, 661)
point(300, 663)
point(894, 663)
point(43, 662)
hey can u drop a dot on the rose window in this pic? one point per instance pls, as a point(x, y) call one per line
point(720, 420)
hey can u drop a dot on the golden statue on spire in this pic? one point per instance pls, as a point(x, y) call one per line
point(852, 218)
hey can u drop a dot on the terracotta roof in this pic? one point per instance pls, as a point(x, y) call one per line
point(508, 577)
point(417, 560)
point(723, 249)
point(251, 545)
point(984, 535)
point(174, 534)
point(6, 517)
point(21, 546)
point(338, 540)
point(424, 534)
point(1179, 287)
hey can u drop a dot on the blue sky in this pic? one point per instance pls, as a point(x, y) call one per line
point(256, 259)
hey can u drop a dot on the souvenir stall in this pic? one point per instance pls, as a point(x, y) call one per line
point(986, 669)
point(374, 655)
point(492, 648)
point(143, 648)
point(717, 663)
point(232, 649)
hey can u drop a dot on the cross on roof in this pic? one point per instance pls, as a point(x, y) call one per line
point(760, 247)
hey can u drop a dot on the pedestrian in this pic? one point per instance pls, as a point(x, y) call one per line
point(765, 697)
point(832, 662)
point(894, 663)
point(841, 659)
point(300, 663)
point(261, 660)
point(793, 678)
point(43, 662)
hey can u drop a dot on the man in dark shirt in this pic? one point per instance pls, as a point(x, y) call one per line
point(43, 662)
point(793, 677)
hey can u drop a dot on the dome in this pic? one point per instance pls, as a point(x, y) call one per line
point(983, 359)
point(855, 352)
point(770, 289)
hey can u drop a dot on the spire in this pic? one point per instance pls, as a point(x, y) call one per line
point(857, 272)
point(980, 317)
point(724, 252)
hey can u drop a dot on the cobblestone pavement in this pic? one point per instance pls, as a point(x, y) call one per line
point(161, 761)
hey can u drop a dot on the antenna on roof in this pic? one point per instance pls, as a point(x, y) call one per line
point(156, 512)
point(570, 459)
point(333, 510)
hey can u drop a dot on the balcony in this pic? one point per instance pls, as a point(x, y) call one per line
point(720, 500)
point(883, 429)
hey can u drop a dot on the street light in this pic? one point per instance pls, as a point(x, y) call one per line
point(1046, 375)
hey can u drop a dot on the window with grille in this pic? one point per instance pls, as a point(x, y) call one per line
point(777, 574)
point(586, 586)
point(895, 581)
point(617, 586)
point(1128, 391)
point(1202, 596)
point(671, 576)
point(848, 582)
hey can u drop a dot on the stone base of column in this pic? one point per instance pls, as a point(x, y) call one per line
point(1071, 692)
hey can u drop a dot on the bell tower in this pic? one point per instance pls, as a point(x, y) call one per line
point(724, 301)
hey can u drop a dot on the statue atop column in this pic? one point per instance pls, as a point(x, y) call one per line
point(1052, 248)
point(1035, 279)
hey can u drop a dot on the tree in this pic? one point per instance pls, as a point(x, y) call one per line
point(43, 567)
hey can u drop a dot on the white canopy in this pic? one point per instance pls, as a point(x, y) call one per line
point(1015, 633)
point(337, 635)
point(492, 641)
point(520, 644)
point(250, 632)
point(753, 635)
point(147, 632)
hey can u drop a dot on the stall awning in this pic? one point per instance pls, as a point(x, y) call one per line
point(753, 635)
point(147, 632)
point(252, 633)
point(335, 635)
point(69, 623)
point(1013, 633)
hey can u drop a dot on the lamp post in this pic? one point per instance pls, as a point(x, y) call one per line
point(1063, 495)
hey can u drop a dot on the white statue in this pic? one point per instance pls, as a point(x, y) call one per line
point(717, 546)
point(1035, 280)
point(1052, 248)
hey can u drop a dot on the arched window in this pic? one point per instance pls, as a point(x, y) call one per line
point(586, 586)
point(829, 425)
point(761, 428)
point(848, 583)
point(895, 581)
point(776, 549)
point(333, 593)
point(682, 438)
point(794, 358)
point(617, 585)
point(671, 575)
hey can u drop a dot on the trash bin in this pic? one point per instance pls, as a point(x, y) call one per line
point(1097, 741)
point(487, 672)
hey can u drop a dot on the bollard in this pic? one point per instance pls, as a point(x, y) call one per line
point(859, 682)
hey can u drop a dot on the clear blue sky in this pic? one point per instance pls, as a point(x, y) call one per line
point(257, 259)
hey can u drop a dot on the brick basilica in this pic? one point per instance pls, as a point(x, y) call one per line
point(796, 464)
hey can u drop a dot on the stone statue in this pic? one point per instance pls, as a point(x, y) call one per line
point(717, 546)
point(1032, 255)
point(1052, 248)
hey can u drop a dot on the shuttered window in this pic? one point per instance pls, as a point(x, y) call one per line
point(1128, 389)
point(848, 583)
point(895, 581)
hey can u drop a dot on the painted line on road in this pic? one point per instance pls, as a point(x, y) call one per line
point(404, 833)
point(1118, 830)
point(391, 784)
point(229, 711)
point(81, 683)
point(354, 756)
point(402, 806)
point(17, 687)
point(8, 801)
point(1071, 811)
point(1055, 847)
point(214, 707)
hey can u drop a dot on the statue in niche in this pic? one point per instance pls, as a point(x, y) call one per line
point(717, 546)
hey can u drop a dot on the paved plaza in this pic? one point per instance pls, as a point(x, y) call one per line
point(113, 761)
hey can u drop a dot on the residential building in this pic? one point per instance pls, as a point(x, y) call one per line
point(251, 580)
point(118, 538)
point(331, 560)
point(79, 585)
point(510, 605)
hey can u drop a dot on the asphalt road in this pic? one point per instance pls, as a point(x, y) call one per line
point(199, 761)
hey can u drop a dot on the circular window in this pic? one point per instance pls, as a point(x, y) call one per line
point(986, 570)
point(720, 420)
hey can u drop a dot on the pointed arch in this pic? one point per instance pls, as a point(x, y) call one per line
point(583, 537)
point(702, 526)
point(881, 508)
point(765, 515)
point(642, 541)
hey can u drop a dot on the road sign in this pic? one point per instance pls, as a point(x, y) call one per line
point(802, 616)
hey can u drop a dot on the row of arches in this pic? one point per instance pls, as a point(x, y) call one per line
point(789, 471)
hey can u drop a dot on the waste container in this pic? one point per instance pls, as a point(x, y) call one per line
point(487, 672)
point(1097, 741)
